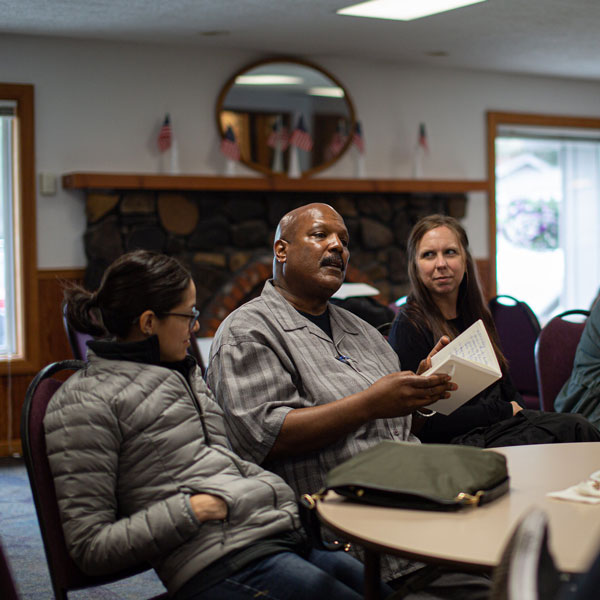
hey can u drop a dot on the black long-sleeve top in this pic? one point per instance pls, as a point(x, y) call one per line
point(490, 406)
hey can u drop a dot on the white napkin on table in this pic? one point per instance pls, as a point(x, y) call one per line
point(587, 491)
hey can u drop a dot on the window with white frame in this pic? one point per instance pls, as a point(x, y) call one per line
point(548, 216)
point(8, 192)
point(19, 318)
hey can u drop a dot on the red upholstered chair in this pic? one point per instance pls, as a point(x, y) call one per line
point(8, 590)
point(64, 573)
point(555, 353)
point(518, 329)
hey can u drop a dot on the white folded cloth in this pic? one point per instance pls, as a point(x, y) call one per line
point(587, 491)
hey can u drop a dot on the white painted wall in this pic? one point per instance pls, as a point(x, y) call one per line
point(99, 106)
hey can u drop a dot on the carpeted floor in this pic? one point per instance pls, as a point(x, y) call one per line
point(22, 543)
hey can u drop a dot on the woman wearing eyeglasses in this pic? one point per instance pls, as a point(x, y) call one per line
point(142, 466)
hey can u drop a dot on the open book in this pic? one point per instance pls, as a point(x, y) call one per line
point(471, 362)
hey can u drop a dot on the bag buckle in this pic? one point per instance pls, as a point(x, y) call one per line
point(310, 500)
point(469, 499)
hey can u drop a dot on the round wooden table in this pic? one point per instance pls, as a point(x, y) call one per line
point(474, 538)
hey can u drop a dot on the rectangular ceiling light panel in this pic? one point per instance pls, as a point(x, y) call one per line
point(403, 10)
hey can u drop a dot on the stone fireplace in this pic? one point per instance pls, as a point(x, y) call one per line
point(225, 237)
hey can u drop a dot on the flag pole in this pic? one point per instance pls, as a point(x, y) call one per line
point(174, 152)
point(229, 167)
point(421, 151)
point(294, 169)
point(359, 164)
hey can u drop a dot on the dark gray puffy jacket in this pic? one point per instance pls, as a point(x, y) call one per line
point(128, 446)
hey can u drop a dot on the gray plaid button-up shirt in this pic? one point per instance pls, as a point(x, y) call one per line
point(267, 359)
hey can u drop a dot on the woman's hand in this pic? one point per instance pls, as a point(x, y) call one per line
point(207, 507)
point(516, 407)
point(426, 362)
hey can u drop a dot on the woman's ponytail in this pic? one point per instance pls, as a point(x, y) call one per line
point(138, 281)
point(82, 312)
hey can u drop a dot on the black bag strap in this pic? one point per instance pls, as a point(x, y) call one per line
point(307, 507)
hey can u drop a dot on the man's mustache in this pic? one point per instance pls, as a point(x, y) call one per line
point(333, 260)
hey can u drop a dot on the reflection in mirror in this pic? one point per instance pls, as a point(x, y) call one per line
point(288, 116)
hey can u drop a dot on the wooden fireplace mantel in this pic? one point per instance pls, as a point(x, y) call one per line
point(146, 181)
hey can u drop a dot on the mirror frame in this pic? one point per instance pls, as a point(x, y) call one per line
point(305, 63)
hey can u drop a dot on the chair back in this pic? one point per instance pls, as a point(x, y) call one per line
point(518, 329)
point(77, 340)
point(64, 573)
point(8, 590)
point(555, 353)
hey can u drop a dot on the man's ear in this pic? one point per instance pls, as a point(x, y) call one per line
point(280, 250)
point(147, 322)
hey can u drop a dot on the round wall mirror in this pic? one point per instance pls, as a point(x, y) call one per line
point(288, 116)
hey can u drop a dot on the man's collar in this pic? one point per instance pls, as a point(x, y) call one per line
point(290, 319)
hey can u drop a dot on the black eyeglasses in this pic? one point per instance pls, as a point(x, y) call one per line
point(193, 317)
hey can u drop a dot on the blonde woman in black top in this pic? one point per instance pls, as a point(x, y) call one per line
point(445, 298)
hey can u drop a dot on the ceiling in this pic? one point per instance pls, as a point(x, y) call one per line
point(547, 37)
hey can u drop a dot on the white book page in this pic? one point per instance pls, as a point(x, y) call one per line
point(472, 344)
point(353, 290)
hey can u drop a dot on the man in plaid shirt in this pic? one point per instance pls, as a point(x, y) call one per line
point(305, 384)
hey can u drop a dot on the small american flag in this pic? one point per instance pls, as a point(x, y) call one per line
point(300, 137)
point(357, 138)
point(423, 137)
point(278, 135)
point(337, 142)
point(229, 146)
point(165, 135)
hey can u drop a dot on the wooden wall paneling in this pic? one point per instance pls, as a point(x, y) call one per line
point(53, 341)
point(483, 270)
point(52, 345)
point(12, 394)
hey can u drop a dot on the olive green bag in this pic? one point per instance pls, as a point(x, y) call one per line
point(417, 476)
point(421, 476)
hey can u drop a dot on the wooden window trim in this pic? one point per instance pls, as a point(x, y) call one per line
point(29, 361)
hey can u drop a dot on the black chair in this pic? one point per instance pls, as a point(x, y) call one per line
point(518, 329)
point(555, 353)
point(64, 573)
point(8, 590)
